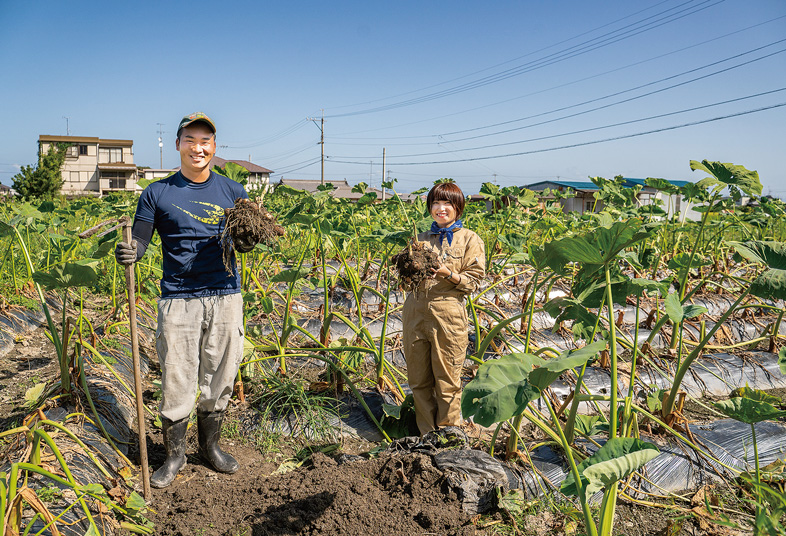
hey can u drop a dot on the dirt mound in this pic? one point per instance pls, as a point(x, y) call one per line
point(394, 495)
point(414, 264)
point(247, 224)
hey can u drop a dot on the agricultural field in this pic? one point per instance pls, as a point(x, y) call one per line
point(683, 317)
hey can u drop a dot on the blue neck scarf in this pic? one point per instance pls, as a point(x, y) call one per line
point(445, 231)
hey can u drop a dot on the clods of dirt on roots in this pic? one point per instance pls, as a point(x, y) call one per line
point(247, 223)
point(414, 264)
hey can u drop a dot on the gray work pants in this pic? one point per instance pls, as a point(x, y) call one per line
point(199, 343)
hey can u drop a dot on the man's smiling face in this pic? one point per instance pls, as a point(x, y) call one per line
point(197, 145)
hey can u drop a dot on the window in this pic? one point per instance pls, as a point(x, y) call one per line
point(110, 155)
point(73, 177)
point(72, 151)
point(83, 149)
point(588, 207)
point(117, 180)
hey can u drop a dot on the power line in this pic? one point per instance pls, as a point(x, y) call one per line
point(581, 144)
point(504, 62)
point(725, 35)
point(273, 137)
point(550, 59)
point(591, 129)
point(628, 91)
point(306, 164)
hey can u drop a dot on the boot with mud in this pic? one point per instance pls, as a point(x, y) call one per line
point(175, 444)
point(209, 425)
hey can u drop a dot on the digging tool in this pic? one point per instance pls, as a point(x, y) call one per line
point(140, 409)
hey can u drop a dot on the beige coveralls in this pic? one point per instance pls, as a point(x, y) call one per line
point(435, 330)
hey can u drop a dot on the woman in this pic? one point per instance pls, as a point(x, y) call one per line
point(435, 315)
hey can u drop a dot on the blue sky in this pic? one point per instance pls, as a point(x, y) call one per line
point(507, 91)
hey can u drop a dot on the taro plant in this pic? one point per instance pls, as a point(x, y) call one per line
point(504, 388)
point(752, 406)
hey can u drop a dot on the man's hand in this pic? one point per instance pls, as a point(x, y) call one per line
point(125, 253)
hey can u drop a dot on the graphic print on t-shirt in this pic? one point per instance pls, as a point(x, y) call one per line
point(211, 216)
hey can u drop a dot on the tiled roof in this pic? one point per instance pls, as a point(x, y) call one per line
point(84, 139)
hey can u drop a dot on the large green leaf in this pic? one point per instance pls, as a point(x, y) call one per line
point(677, 312)
point(563, 309)
point(623, 449)
point(661, 184)
point(575, 249)
point(69, 275)
point(748, 410)
point(730, 175)
point(754, 394)
point(290, 275)
point(638, 286)
point(772, 283)
point(500, 389)
point(767, 252)
point(544, 375)
point(602, 474)
point(399, 421)
point(5, 229)
point(602, 244)
point(673, 308)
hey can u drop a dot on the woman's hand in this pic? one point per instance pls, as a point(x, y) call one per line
point(443, 272)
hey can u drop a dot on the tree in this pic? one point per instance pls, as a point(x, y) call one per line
point(45, 179)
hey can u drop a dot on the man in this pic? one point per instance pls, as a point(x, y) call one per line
point(199, 339)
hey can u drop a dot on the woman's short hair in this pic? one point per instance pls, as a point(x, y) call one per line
point(447, 191)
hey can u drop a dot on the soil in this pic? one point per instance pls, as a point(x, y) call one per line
point(247, 223)
point(415, 264)
point(391, 495)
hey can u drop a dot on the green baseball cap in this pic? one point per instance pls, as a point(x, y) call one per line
point(190, 119)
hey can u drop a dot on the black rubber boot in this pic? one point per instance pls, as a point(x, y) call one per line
point(209, 425)
point(175, 444)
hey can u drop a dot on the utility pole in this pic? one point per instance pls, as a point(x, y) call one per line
point(160, 145)
point(321, 127)
point(68, 131)
point(383, 173)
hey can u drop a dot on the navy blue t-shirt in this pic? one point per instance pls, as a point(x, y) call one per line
point(189, 218)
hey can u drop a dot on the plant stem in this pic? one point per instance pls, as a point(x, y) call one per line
point(613, 350)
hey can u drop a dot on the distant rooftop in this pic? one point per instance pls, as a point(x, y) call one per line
point(590, 186)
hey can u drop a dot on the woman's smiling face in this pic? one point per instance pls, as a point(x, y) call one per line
point(443, 212)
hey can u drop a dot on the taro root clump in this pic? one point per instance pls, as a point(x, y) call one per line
point(247, 224)
point(414, 264)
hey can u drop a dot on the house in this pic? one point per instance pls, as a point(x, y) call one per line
point(151, 174)
point(342, 189)
point(583, 199)
point(5, 191)
point(94, 166)
point(673, 203)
